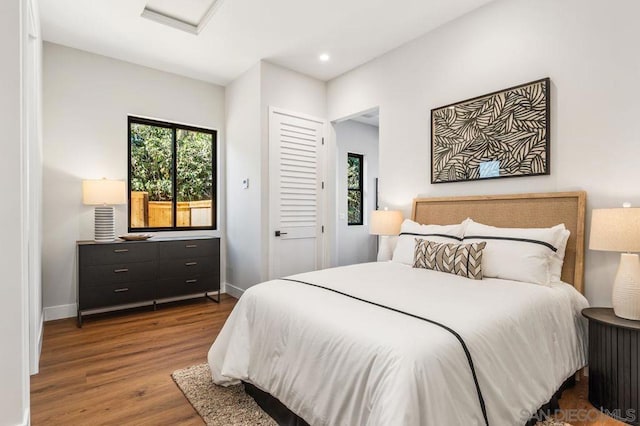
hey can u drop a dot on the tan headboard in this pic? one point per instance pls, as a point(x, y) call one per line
point(517, 211)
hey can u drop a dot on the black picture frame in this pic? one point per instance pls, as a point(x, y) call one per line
point(507, 131)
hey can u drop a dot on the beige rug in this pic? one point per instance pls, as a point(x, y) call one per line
point(220, 406)
point(217, 405)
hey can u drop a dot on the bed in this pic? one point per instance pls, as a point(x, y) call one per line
point(384, 343)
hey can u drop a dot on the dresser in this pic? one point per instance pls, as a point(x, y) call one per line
point(614, 364)
point(116, 274)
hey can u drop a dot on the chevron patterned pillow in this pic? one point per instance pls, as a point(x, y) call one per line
point(459, 259)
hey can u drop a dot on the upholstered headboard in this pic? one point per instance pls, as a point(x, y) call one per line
point(517, 211)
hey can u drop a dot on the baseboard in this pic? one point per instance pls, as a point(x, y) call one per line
point(26, 417)
point(34, 367)
point(41, 334)
point(234, 291)
point(52, 313)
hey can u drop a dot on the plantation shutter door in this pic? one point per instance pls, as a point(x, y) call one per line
point(296, 166)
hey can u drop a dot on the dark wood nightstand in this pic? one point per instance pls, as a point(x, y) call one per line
point(614, 364)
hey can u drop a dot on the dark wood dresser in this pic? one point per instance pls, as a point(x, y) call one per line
point(120, 273)
point(614, 364)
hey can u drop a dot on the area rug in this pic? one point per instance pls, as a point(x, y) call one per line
point(217, 405)
point(231, 406)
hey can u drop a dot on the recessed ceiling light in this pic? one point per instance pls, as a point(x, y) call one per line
point(324, 57)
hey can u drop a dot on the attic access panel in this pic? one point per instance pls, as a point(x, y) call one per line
point(186, 15)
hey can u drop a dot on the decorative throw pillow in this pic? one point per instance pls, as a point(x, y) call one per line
point(459, 259)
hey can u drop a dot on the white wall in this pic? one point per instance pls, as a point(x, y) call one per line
point(248, 100)
point(286, 89)
point(353, 244)
point(244, 249)
point(585, 47)
point(87, 98)
point(14, 328)
point(291, 91)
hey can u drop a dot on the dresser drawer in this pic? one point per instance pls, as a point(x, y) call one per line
point(184, 286)
point(185, 249)
point(116, 294)
point(186, 267)
point(105, 254)
point(117, 273)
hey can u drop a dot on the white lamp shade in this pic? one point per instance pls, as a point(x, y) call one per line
point(385, 222)
point(615, 230)
point(103, 192)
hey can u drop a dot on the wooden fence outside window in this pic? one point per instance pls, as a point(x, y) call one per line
point(157, 214)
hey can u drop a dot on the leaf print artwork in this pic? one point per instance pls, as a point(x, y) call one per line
point(502, 134)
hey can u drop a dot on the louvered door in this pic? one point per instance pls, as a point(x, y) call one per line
point(296, 193)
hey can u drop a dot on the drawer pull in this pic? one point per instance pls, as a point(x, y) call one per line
point(117, 271)
point(120, 290)
point(190, 263)
point(191, 281)
point(121, 250)
point(191, 246)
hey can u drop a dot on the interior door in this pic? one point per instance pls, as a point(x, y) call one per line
point(296, 193)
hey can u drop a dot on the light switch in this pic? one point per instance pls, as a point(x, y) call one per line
point(245, 183)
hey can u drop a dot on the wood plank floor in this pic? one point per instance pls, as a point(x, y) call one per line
point(578, 411)
point(116, 369)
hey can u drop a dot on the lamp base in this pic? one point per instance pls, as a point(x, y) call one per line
point(385, 251)
point(626, 288)
point(104, 224)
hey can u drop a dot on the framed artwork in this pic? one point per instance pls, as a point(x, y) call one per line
point(501, 134)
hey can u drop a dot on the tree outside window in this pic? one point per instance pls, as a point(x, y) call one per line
point(355, 189)
point(171, 176)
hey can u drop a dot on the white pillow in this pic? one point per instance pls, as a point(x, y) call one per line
point(558, 259)
point(520, 254)
point(410, 230)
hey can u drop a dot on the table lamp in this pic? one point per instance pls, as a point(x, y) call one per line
point(619, 230)
point(104, 194)
point(385, 223)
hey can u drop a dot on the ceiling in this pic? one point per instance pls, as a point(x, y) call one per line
point(239, 33)
point(189, 11)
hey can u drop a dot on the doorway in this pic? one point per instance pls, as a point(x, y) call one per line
point(357, 139)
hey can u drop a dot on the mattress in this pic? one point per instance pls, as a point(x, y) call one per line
point(376, 344)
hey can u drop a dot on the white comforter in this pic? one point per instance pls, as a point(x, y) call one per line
point(334, 360)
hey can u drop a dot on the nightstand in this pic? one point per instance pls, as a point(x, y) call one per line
point(614, 364)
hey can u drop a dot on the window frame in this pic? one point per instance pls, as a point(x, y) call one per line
point(174, 149)
point(360, 189)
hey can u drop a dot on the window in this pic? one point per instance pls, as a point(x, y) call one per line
point(172, 182)
point(354, 188)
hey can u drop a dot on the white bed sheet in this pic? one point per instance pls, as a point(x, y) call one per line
point(334, 360)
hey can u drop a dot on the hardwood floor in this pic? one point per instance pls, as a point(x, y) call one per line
point(116, 369)
point(578, 411)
